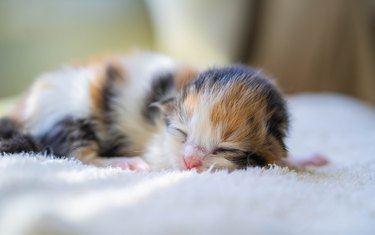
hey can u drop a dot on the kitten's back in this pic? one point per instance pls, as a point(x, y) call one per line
point(113, 95)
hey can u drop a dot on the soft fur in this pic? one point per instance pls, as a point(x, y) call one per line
point(148, 111)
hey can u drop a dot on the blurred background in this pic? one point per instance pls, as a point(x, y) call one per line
point(309, 45)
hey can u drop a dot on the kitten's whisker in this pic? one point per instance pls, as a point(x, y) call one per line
point(211, 168)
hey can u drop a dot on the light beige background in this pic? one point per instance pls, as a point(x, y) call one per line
point(38, 35)
point(309, 45)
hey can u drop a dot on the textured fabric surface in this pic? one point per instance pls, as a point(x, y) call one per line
point(52, 196)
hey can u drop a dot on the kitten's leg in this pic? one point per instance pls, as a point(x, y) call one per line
point(13, 140)
point(126, 163)
point(77, 138)
point(89, 155)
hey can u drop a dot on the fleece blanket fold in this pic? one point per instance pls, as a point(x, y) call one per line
point(41, 195)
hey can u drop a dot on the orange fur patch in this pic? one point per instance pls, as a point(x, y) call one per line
point(241, 114)
point(184, 75)
point(190, 102)
point(87, 155)
point(110, 73)
point(96, 93)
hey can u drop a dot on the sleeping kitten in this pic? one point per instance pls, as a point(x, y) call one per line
point(147, 111)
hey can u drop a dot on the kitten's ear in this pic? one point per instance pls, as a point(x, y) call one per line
point(184, 75)
point(165, 106)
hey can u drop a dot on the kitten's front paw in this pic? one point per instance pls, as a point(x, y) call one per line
point(314, 160)
point(127, 163)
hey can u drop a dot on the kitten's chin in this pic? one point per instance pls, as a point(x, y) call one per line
point(178, 164)
point(220, 164)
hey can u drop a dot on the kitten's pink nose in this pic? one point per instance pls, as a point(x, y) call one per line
point(193, 155)
point(192, 162)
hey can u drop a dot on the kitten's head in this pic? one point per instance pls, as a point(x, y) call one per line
point(227, 118)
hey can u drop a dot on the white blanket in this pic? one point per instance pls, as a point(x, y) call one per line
point(51, 196)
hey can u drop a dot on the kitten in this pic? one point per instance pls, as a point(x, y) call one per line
point(147, 111)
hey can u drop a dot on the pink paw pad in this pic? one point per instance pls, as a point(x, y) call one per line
point(314, 160)
point(128, 163)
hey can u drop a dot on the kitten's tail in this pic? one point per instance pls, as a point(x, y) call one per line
point(13, 140)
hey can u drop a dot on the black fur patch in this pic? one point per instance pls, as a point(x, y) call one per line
point(7, 128)
point(254, 159)
point(278, 122)
point(113, 146)
point(225, 75)
point(160, 88)
point(68, 135)
point(12, 140)
point(249, 159)
point(112, 75)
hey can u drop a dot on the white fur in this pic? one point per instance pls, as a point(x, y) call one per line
point(65, 93)
point(201, 132)
point(164, 152)
point(56, 95)
point(141, 69)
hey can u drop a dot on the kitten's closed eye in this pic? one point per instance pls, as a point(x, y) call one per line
point(226, 151)
point(241, 158)
point(178, 133)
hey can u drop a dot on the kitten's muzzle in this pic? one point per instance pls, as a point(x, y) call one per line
point(193, 156)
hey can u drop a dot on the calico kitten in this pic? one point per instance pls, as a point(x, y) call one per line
point(147, 111)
